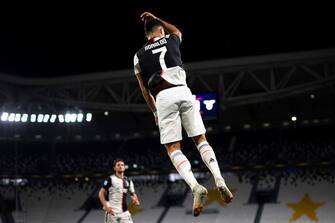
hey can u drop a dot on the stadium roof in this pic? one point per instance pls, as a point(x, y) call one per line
point(60, 40)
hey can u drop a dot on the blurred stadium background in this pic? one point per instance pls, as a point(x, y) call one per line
point(270, 119)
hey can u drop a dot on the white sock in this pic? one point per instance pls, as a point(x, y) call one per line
point(209, 158)
point(183, 167)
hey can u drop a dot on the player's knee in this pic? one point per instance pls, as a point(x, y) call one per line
point(199, 139)
point(171, 147)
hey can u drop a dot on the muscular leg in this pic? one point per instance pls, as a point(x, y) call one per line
point(207, 155)
point(183, 167)
point(181, 163)
point(209, 158)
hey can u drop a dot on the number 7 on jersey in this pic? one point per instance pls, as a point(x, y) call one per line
point(162, 51)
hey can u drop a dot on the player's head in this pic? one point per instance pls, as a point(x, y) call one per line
point(153, 27)
point(118, 165)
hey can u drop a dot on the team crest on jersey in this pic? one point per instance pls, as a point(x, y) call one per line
point(126, 183)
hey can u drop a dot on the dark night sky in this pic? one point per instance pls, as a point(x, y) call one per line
point(58, 40)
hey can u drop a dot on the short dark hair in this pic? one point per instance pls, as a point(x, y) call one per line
point(151, 24)
point(117, 160)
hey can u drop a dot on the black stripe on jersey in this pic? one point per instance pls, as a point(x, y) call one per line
point(124, 202)
point(126, 182)
point(125, 185)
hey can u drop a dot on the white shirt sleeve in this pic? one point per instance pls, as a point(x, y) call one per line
point(137, 68)
point(131, 187)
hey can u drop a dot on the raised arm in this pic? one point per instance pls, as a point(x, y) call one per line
point(169, 28)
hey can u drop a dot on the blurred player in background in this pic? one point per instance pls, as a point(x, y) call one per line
point(117, 186)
